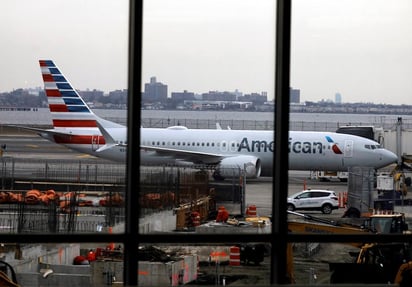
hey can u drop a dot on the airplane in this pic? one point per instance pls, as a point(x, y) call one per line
point(78, 128)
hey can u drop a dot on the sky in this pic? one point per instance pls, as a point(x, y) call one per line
point(358, 48)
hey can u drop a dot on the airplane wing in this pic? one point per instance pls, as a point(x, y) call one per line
point(184, 155)
point(42, 132)
point(192, 156)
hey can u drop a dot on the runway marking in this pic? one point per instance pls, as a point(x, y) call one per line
point(85, 156)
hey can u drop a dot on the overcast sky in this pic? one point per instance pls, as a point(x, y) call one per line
point(358, 48)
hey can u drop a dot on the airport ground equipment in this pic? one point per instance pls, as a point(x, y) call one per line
point(375, 223)
point(368, 192)
point(326, 175)
point(393, 187)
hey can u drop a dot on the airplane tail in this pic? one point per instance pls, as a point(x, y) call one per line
point(67, 108)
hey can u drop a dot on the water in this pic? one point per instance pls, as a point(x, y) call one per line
point(43, 117)
point(268, 116)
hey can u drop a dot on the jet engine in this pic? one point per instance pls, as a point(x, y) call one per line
point(236, 165)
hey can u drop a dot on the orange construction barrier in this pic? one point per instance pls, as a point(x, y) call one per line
point(234, 256)
point(343, 199)
point(251, 210)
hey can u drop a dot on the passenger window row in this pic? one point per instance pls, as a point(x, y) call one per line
point(212, 144)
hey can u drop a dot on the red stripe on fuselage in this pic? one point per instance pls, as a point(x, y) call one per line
point(76, 139)
point(74, 123)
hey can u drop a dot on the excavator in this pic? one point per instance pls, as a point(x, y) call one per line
point(375, 262)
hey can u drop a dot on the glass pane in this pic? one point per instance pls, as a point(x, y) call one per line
point(58, 173)
point(348, 72)
point(378, 263)
point(51, 264)
point(208, 76)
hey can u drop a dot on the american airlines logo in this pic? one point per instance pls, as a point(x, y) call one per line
point(314, 147)
point(305, 147)
point(256, 145)
point(335, 147)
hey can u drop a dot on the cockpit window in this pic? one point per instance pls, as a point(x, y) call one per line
point(374, 146)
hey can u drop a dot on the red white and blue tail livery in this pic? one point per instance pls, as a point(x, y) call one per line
point(66, 106)
point(78, 128)
point(74, 123)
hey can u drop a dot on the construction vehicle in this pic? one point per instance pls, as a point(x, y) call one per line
point(375, 262)
point(388, 222)
point(388, 263)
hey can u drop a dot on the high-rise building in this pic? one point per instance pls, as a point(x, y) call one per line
point(155, 91)
point(182, 96)
point(338, 98)
point(294, 95)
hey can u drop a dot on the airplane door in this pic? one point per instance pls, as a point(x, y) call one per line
point(348, 150)
point(95, 142)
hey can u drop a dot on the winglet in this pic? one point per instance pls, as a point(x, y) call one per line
point(109, 140)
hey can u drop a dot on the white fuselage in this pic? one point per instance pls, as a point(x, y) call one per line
point(307, 150)
point(77, 127)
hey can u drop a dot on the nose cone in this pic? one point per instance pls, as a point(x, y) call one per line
point(388, 157)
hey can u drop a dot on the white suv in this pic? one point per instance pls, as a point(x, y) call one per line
point(314, 199)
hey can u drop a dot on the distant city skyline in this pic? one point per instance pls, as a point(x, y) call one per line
point(360, 48)
point(294, 93)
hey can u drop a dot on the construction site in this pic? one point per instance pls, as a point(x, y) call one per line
point(68, 196)
point(88, 197)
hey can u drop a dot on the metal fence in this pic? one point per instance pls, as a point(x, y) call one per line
point(161, 188)
point(207, 124)
point(84, 174)
point(49, 220)
point(239, 124)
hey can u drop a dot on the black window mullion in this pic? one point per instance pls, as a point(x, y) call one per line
point(131, 243)
point(281, 155)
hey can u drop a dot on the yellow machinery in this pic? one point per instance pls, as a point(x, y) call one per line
point(374, 263)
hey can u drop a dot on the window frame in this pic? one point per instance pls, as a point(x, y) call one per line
point(279, 238)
